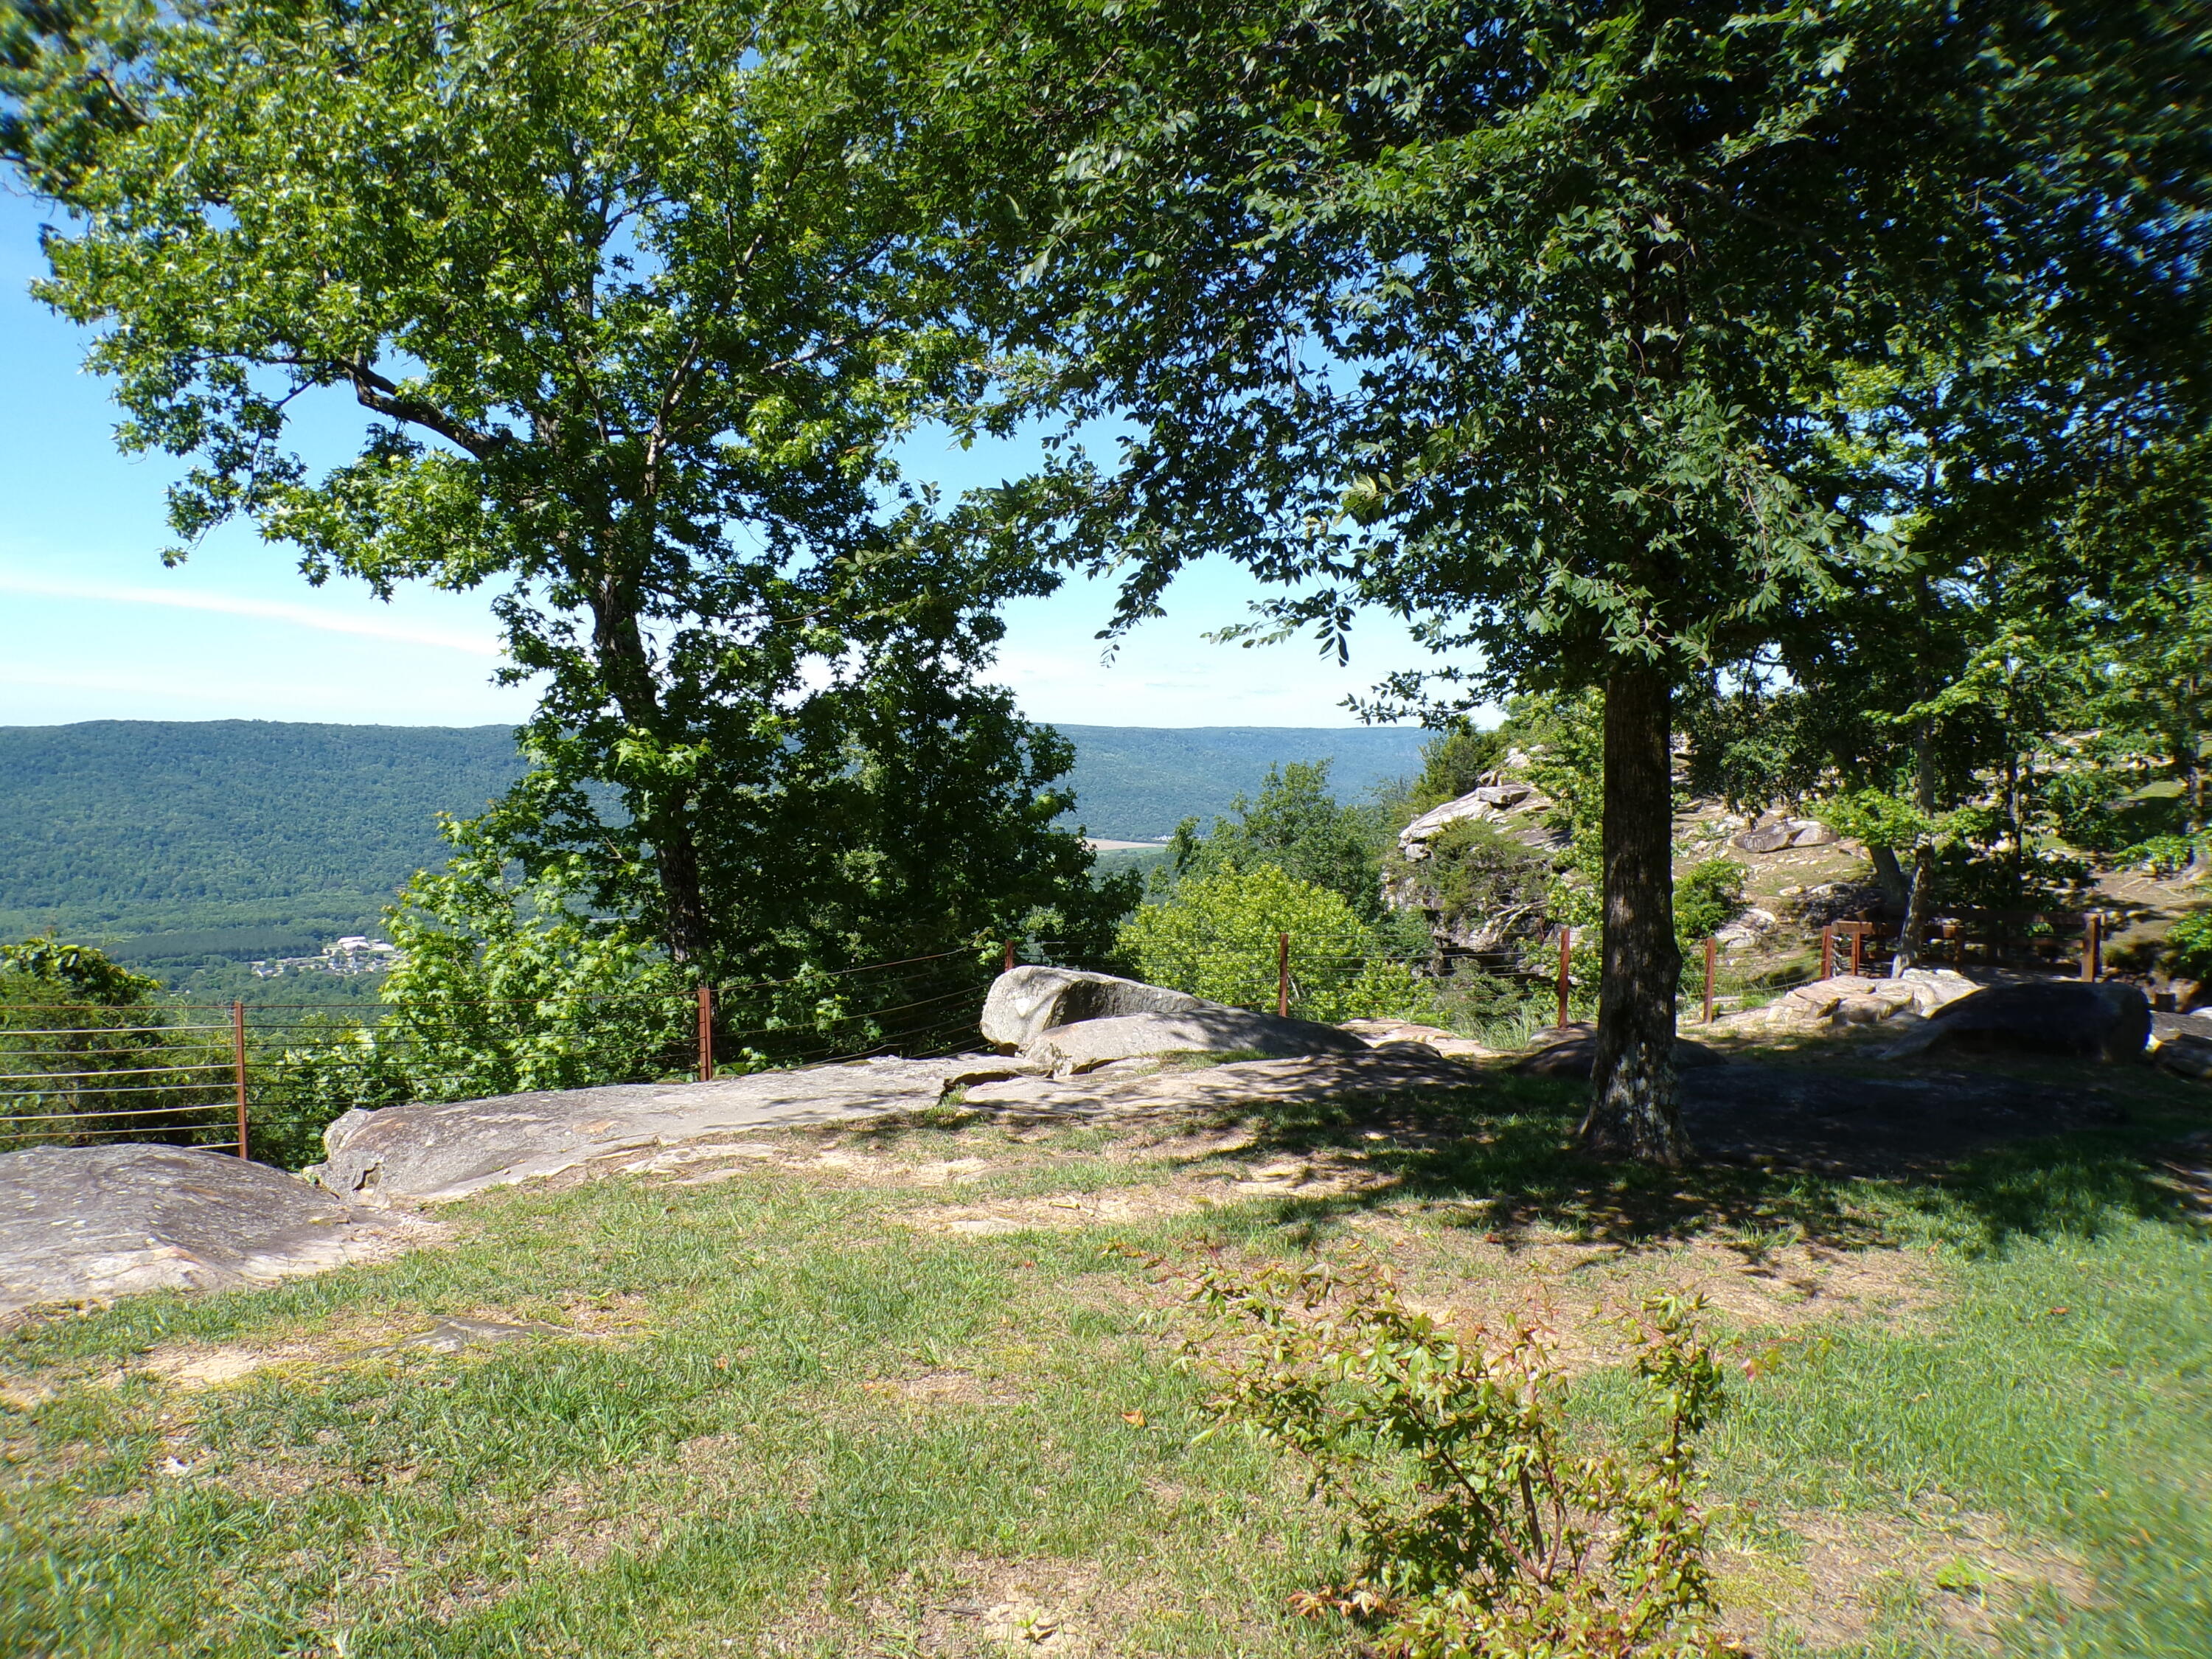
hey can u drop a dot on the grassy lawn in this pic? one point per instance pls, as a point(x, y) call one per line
point(911, 1390)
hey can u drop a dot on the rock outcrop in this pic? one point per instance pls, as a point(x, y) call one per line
point(2068, 1018)
point(2184, 1055)
point(1782, 833)
point(445, 1151)
point(1479, 867)
point(1849, 1000)
point(88, 1224)
point(1206, 1029)
point(1026, 1002)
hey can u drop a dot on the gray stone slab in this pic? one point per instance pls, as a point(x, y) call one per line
point(1026, 1002)
point(435, 1152)
point(89, 1224)
point(1205, 1029)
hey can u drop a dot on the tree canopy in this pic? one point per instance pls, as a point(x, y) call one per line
point(631, 310)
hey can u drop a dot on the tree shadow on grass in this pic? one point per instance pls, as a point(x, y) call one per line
point(1499, 1157)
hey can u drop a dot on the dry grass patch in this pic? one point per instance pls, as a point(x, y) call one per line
point(1835, 1580)
point(980, 1607)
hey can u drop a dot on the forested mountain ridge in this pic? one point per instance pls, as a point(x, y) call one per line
point(268, 836)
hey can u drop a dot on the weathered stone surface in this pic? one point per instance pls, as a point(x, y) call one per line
point(1515, 808)
point(1111, 1090)
point(1746, 930)
point(1204, 1030)
point(2186, 1056)
point(1767, 838)
point(447, 1150)
point(1571, 1051)
point(89, 1224)
point(1028, 1001)
point(1849, 1000)
point(1450, 1044)
point(2104, 1021)
point(1784, 832)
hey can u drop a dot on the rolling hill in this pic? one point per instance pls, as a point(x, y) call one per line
point(188, 841)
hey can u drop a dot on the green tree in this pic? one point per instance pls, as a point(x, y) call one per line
point(620, 296)
point(1217, 935)
point(1525, 323)
point(1299, 826)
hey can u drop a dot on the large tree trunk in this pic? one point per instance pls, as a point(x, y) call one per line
point(1922, 897)
point(1920, 900)
point(1891, 875)
point(1635, 1108)
point(676, 855)
point(668, 818)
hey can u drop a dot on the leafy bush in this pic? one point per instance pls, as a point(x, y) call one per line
point(1476, 1531)
point(1707, 897)
point(2189, 946)
point(1215, 936)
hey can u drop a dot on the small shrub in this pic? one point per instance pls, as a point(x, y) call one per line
point(1476, 1532)
point(2189, 946)
point(1707, 897)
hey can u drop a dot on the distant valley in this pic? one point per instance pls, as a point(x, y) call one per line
point(196, 846)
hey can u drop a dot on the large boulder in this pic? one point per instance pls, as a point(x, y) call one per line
point(2102, 1021)
point(1850, 999)
point(1205, 1029)
point(2186, 1056)
point(453, 1148)
point(1025, 1001)
point(89, 1224)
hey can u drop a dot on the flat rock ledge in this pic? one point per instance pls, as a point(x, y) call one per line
point(83, 1225)
point(426, 1152)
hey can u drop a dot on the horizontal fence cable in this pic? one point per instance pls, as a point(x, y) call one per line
point(135, 1111)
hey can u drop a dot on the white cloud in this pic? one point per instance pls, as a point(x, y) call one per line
point(299, 615)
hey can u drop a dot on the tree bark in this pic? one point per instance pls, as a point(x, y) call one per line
point(1890, 874)
point(1922, 897)
point(1635, 1108)
point(667, 822)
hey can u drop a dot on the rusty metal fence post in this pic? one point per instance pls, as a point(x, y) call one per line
point(1009, 956)
point(1712, 954)
point(1282, 976)
point(1567, 982)
point(1828, 951)
point(706, 1034)
point(2092, 943)
point(238, 1063)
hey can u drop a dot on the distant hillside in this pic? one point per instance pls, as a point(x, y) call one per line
point(228, 839)
point(1137, 782)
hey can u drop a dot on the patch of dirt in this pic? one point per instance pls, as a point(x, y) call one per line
point(943, 1388)
point(1832, 1581)
point(1061, 1212)
point(189, 1367)
point(977, 1607)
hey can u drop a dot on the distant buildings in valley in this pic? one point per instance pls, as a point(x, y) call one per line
point(353, 954)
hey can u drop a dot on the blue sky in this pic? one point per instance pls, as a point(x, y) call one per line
point(97, 628)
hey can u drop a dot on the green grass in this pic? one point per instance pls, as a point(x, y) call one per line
point(791, 1423)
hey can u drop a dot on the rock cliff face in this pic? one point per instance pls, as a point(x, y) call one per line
point(1479, 868)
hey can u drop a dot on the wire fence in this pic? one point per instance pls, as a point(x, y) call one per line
point(263, 1080)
